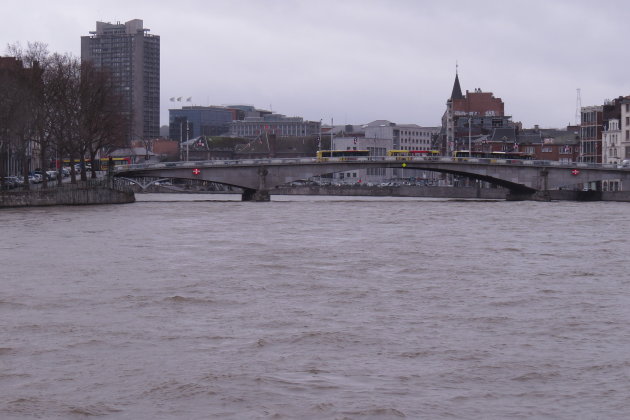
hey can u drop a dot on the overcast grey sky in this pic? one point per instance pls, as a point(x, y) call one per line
point(357, 61)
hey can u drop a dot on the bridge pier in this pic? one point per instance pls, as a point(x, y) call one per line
point(260, 194)
point(514, 195)
point(255, 195)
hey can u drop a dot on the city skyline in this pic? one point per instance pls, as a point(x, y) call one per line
point(361, 61)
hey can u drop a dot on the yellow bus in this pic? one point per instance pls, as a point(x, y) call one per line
point(460, 154)
point(117, 161)
point(413, 153)
point(342, 154)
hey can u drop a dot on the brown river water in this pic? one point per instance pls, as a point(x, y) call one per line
point(175, 307)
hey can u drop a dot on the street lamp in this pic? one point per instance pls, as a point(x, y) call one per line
point(469, 136)
point(319, 136)
point(187, 138)
point(181, 138)
point(332, 141)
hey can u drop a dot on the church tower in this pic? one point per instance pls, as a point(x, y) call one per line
point(457, 90)
point(448, 121)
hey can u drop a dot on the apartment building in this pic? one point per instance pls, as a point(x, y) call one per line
point(276, 124)
point(133, 57)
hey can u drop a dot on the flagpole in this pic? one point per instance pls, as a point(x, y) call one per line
point(469, 137)
point(332, 126)
point(319, 137)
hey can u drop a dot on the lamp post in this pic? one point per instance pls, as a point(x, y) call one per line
point(469, 136)
point(332, 128)
point(187, 138)
point(319, 136)
point(181, 140)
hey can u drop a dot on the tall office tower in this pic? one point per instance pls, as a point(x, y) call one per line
point(133, 57)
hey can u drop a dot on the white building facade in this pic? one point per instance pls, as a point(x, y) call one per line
point(611, 142)
point(379, 137)
point(278, 124)
point(624, 127)
point(612, 151)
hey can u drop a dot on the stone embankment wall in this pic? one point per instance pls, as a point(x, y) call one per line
point(400, 191)
point(65, 196)
point(449, 192)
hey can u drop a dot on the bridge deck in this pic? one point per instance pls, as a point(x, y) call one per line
point(522, 177)
point(418, 159)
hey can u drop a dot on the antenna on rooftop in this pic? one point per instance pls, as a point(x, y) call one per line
point(578, 108)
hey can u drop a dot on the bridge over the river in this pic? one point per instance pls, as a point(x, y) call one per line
point(525, 179)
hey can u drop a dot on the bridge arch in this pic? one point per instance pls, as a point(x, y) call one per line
point(142, 186)
point(258, 176)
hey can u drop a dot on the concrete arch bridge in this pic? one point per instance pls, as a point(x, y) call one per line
point(525, 179)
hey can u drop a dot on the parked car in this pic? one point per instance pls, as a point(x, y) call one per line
point(50, 175)
point(11, 182)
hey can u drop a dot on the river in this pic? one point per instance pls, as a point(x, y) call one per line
point(176, 307)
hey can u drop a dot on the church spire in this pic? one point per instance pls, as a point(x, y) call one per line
point(457, 90)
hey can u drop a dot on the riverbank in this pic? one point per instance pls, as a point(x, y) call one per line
point(71, 194)
point(416, 191)
point(68, 195)
point(452, 192)
point(398, 191)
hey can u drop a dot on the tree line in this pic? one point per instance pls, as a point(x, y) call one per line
point(59, 106)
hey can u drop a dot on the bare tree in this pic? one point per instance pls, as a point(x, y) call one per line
point(63, 99)
point(9, 94)
point(60, 105)
point(29, 124)
point(103, 124)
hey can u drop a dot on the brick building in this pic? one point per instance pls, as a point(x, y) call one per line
point(471, 116)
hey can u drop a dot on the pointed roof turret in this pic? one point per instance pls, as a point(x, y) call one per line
point(457, 90)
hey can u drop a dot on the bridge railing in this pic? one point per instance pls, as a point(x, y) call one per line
point(312, 160)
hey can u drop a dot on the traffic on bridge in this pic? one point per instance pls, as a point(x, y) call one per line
point(525, 177)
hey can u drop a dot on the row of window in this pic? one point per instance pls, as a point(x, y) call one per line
point(376, 171)
point(343, 175)
point(565, 150)
point(613, 152)
point(377, 151)
point(407, 148)
point(416, 133)
point(250, 130)
point(416, 141)
point(590, 116)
